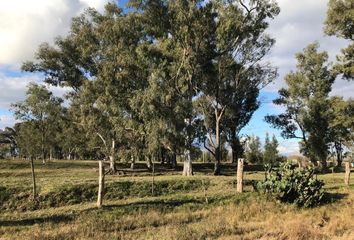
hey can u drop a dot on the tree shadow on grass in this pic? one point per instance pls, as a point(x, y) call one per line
point(329, 197)
point(169, 205)
point(37, 220)
point(159, 204)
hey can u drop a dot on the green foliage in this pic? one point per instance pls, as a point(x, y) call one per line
point(8, 142)
point(228, 94)
point(135, 75)
point(270, 154)
point(340, 23)
point(341, 125)
point(293, 186)
point(306, 102)
point(40, 113)
point(253, 151)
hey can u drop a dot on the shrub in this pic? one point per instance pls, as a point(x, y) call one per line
point(293, 186)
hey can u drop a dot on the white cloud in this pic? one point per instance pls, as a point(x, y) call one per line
point(343, 88)
point(97, 4)
point(300, 23)
point(26, 24)
point(13, 89)
point(6, 121)
point(289, 147)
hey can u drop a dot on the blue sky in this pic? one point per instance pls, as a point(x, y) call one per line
point(26, 24)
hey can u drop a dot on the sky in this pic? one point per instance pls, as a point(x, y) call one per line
point(25, 24)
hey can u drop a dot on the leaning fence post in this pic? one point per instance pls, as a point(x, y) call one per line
point(100, 183)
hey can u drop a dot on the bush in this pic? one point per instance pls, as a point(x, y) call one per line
point(293, 186)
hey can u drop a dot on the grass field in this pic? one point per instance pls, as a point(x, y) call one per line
point(198, 207)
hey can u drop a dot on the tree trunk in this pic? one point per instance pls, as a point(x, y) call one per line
point(50, 154)
point(236, 148)
point(162, 155)
point(217, 161)
point(217, 169)
point(148, 163)
point(240, 175)
point(132, 159)
point(347, 173)
point(153, 180)
point(43, 152)
point(217, 148)
point(100, 183)
point(324, 165)
point(112, 160)
point(233, 155)
point(338, 148)
point(112, 164)
point(187, 166)
point(34, 187)
point(174, 161)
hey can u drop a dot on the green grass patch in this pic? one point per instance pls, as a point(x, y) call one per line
point(21, 199)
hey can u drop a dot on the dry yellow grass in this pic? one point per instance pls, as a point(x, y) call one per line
point(256, 218)
point(186, 216)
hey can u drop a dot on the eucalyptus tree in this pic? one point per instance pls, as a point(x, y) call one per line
point(340, 23)
point(72, 139)
point(181, 31)
point(229, 94)
point(29, 139)
point(121, 71)
point(158, 109)
point(9, 136)
point(72, 60)
point(69, 63)
point(306, 104)
point(341, 125)
point(99, 61)
point(43, 110)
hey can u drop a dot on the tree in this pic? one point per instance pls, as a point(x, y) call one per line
point(72, 139)
point(8, 136)
point(67, 63)
point(228, 95)
point(100, 61)
point(253, 151)
point(341, 125)
point(42, 109)
point(306, 104)
point(29, 142)
point(340, 23)
point(182, 30)
point(270, 155)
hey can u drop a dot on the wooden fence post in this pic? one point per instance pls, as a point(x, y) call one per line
point(100, 183)
point(240, 175)
point(34, 187)
point(347, 173)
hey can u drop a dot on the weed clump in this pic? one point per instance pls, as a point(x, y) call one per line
point(293, 186)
